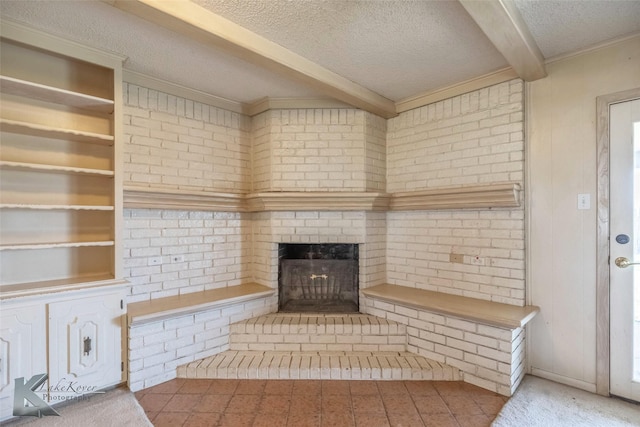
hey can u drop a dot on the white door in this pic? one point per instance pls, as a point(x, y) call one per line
point(624, 175)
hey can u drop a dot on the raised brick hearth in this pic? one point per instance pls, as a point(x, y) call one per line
point(317, 346)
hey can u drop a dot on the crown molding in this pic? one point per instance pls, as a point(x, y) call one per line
point(595, 47)
point(144, 80)
point(266, 104)
point(457, 89)
point(24, 34)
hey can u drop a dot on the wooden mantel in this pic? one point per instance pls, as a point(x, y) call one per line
point(502, 195)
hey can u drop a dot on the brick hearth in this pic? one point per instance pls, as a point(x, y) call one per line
point(317, 346)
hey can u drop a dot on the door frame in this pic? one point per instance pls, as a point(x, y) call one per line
point(602, 235)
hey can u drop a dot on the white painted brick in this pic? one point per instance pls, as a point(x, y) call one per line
point(461, 345)
point(159, 359)
point(449, 352)
point(160, 337)
point(490, 331)
point(482, 340)
point(494, 354)
point(177, 343)
point(178, 322)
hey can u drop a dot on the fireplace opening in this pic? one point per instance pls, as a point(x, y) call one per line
point(319, 277)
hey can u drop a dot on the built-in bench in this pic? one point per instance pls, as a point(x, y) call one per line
point(475, 310)
point(168, 307)
point(171, 331)
point(484, 339)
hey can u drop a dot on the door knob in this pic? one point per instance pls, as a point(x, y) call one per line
point(623, 262)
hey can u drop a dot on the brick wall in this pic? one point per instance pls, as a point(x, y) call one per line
point(212, 249)
point(375, 153)
point(472, 139)
point(318, 150)
point(176, 143)
point(419, 245)
point(475, 138)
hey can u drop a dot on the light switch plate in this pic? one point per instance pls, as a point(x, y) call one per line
point(584, 201)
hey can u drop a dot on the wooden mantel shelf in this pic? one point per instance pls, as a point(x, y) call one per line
point(318, 201)
point(475, 197)
point(163, 198)
point(504, 195)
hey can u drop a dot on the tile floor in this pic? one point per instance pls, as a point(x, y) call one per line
point(318, 403)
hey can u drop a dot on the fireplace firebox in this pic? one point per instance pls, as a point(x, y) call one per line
point(318, 277)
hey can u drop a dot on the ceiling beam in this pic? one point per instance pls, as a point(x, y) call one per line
point(502, 23)
point(192, 20)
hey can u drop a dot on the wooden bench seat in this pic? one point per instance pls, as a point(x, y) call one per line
point(480, 311)
point(168, 307)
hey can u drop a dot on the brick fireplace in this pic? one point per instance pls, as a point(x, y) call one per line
point(242, 186)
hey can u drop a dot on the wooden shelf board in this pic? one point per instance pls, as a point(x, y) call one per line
point(37, 167)
point(162, 198)
point(317, 201)
point(56, 207)
point(51, 245)
point(486, 312)
point(55, 95)
point(502, 195)
point(18, 290)
point(35, 129)
point(163, 308)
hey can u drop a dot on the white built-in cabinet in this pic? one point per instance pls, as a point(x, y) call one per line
point(75, 337)
point(61, 287)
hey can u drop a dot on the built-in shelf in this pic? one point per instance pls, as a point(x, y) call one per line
point(59, 285)
point(34, 129)
point(56, 207)
point(55, 95)
point(25, 246)
point(37, 167)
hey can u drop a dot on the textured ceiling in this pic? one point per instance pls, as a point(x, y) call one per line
point(153, 50)
point(397, 48)
point(564, 26)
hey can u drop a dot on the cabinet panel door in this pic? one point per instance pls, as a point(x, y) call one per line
point(23, 349)
point(85, 344)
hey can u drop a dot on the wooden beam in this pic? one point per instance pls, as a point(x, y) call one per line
point(502, 23)
point(192, 20)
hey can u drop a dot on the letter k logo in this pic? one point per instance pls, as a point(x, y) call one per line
point(25, 393)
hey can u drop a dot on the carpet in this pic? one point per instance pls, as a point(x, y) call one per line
point(115, 408)
point(539, 402)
